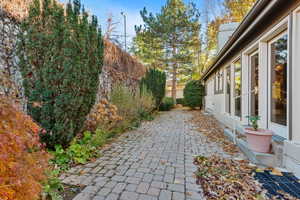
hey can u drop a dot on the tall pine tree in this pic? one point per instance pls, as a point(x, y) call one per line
point(174, 38)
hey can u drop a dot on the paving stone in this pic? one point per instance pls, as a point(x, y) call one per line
point(144, 170)
point(147, 178)
point(133, 180)
point(131, 187)
point(83, 196)
point(118, 178)
point(112, 196)
point(147, 197)
point(190, 179)
point(110, 184)
point(143, 188)
point(158, 177)
point(130, 172)
point(176, 187)
point(96, 170)
point(119, 188)
point(129, 196)
point(192, 187)
point(178, 196)
point(160, 185)
point(194, 195)
point(139, 175)
point(153, 191)
point(90, 190)
point(104, 192)
point(169, 178)
point(87, 180)
point(99, 198)
point(165, 195)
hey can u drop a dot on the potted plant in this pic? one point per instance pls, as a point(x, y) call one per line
point(259, 140)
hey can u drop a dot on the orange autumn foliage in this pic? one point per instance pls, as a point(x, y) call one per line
point(22, 159)
point(103, 116)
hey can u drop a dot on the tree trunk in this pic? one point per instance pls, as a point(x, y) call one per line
point(174, 82)
point(174, 78)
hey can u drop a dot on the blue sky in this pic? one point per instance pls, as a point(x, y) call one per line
point(102, 8)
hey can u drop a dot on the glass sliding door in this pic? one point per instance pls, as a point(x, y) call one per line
point(238, 88)
point(278, 97)
point(254, 84)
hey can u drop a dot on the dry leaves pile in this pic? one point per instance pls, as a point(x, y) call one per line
point(104, 116)
point(227, 179)
point(210, 127)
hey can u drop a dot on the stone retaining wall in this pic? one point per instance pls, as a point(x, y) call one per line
point(119, 66)
point(10, 76)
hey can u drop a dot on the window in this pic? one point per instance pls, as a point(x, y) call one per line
point(279, 58)
point(254, 84)
point(219, 79)
point(238, 87)
point(228, 90)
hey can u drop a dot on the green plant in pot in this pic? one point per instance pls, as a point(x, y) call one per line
point(259, 140)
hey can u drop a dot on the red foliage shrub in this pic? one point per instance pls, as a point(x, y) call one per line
point(22, 159)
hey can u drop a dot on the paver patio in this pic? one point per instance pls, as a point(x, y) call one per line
point(154, 162)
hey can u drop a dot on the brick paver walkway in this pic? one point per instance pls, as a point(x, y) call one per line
point(154, 162)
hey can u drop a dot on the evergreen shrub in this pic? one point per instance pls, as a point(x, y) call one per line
point(61, 55)
point(155, 82)
point(180, 101)
point(193, 94)
point(167, 104)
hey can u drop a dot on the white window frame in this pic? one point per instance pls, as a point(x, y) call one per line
point(233, 88)
point(250, 80)
point(295, 135)
point(227, 66)
point(280, 130)
point(246, 101)
point(264, 93)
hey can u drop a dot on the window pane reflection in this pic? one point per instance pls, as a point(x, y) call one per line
point(228, 91)
point(238, 87)
point(254, 84)
point(279, 53)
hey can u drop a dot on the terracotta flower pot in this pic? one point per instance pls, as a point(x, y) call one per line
point(259, 140)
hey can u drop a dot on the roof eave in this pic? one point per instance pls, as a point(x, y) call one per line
point(247, 21)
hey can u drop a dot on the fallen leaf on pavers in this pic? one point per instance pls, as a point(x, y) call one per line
point(81, 172)
point(176, 181)
point(163, 162)
point(227, 179)
point(259, 170)
point(276, 172)
point(188, 194)
point(210, 127)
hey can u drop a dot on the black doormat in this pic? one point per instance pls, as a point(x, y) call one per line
point(275, 183)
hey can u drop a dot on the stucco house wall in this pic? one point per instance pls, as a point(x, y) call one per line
point(272, 20)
